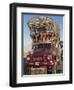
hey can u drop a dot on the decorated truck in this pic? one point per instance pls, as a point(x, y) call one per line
point(45, 54)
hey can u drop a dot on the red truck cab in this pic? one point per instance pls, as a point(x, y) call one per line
point(41, 58)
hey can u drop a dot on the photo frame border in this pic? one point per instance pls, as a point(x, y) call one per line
point(13, 44)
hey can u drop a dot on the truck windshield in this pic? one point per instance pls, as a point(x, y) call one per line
point(42, 46)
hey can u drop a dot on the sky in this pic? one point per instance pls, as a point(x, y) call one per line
point(26, 32)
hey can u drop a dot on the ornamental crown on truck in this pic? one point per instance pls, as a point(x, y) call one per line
point(44, 33)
